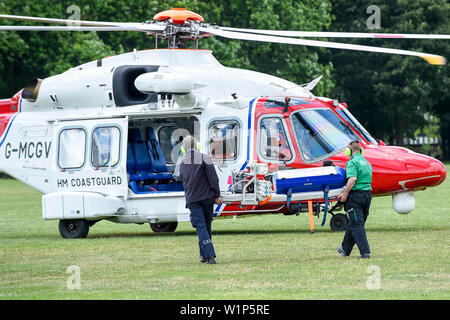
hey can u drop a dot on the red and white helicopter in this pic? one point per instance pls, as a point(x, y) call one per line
point(101, 140)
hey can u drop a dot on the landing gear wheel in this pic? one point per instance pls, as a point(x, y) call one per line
point(73, 229)
point(339, 222)
point(164, 227)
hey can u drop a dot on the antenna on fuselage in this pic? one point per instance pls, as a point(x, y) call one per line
point(286, 107)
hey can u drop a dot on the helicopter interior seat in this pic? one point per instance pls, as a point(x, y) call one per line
point(156, 156)
point(131, 166)
point(131, 163)
point(140, 163)
point(143, 176)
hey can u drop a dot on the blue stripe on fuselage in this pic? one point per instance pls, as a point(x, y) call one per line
point(249, 133)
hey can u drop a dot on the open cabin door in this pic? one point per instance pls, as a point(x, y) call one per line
point(91, 156)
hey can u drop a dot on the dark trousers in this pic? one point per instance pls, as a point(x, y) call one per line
point(201, 219)
point(357, 206)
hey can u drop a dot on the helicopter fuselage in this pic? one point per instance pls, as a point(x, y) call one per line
point(77, 137)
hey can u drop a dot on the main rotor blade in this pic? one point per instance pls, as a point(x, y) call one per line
point(314, 34)
point(70, 22)
point(57, 28)
point(430, 58)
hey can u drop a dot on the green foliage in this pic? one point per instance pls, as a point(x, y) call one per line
point(391, 94)
point(297, 64)
point(24, 55)
point(388, 94)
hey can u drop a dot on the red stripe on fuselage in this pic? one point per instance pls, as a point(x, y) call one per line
point(8, 107)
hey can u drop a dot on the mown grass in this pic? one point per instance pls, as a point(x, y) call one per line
point(260, 257)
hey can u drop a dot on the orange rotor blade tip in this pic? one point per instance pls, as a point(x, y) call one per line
point(435, 60)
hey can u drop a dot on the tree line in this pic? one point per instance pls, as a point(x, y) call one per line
point(392, 96)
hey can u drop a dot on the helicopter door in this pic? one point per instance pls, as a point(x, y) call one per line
point(91, 156)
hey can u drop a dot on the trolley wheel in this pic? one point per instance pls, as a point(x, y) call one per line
point(73, 229)
point(164, 227)
point(339, 222)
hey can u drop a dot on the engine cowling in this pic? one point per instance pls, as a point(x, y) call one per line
point(164, 83)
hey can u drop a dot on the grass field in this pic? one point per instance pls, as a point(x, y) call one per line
point(260, 257)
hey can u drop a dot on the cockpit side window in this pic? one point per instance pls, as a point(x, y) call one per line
point(344, 113)
point(274, 144)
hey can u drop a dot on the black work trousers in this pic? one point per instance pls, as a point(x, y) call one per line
point(201, 220)
point(357, 207)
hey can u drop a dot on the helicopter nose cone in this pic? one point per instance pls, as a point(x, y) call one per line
point(397, 169)
point(423, 171)
point(406, 169)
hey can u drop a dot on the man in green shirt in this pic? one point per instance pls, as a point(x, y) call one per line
point(357, 195)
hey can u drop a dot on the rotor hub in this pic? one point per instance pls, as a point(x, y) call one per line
point(180, 25)
point(178, 16)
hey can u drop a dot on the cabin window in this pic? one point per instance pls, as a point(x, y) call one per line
point(105, 147)
point(170, 139)
point(224, 140)
point(274, 144)
point(72, 148)
point(320, 133)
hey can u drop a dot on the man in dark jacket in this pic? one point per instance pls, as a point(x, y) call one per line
point(201, 186)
